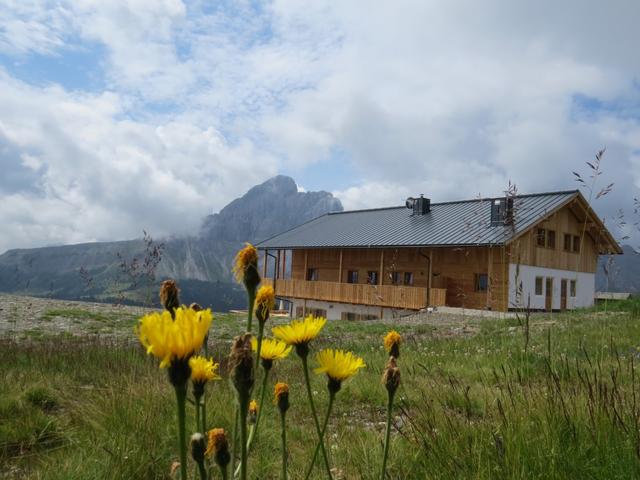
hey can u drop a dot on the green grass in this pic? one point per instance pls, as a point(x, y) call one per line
point(474, 406)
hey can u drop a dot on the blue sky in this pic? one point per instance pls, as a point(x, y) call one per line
point(119, 116)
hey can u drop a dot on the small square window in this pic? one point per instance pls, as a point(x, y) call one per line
point(312, 274)
point(481, 282)
point(551, 239)
point(539, 286)
point(372, 277)
point(408, 278)
point(541, 237)
point(352, 276)
point(572, 288)
point(576, 243)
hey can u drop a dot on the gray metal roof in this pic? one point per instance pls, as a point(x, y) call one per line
point(465, 222)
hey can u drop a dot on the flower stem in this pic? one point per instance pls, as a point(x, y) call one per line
point(387, 437)
point(263, 390)
point(181, 395)
point(251, 296)
point(202, 470)
point(332, 396)
point(244, 408)
point(305, 369)
point(284, 444)
point(204, 413)
point(198, 423)
point(259, 343)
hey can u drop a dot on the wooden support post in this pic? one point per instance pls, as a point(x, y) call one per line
point(277, 273)
point(429, 277)
point(264, 263)
point(340, 268)
point(284, 264)
point(306, 265)
point(381, 274)
point(490, 279)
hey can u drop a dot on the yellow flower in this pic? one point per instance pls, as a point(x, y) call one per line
point(217, 442)
point(300, 332)
point(245, 258)
point(338, 364)
point(280, 389)
point(271, 348)
point(392, 341)
point(281, 396)
point(265, 302)
point(169, 339)
point(203, 369)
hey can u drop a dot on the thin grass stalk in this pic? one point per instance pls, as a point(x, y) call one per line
point(283, 436)
point(387, 437)
point(263, 390)
point(332, 396)
point(305, 369)
point(259, 343)
point(251, 300)
point(202, 470)
point(181, 395)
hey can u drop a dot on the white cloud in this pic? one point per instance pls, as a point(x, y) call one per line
point(448, 99)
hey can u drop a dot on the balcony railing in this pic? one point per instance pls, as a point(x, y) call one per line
point(413, 298)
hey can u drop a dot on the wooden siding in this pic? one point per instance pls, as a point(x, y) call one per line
point(525, 250)
point(402, 297)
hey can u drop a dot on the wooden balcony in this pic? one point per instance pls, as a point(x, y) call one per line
point(392, 296)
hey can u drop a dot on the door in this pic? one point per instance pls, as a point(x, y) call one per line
point(563, 294)
point(548, 299)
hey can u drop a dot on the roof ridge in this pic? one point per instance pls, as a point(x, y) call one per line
point(449, 202)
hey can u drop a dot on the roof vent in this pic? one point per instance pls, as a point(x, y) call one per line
point(420, 206)
point(501, 211)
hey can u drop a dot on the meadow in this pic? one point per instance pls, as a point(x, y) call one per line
point(476, 401)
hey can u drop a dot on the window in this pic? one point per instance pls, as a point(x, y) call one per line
point(352, 276)
point(395, 278)
point(541, 237)
point(567, 242)
point(408, 278)
point(481, 282)
point(372, 277)
point(317, 312)
point(348, 316)
point(299, 312)
point(551, 239)
point(539, 288)
point(312, 274)
point(572, 288)
point(576, 243)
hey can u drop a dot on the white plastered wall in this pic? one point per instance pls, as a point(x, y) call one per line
point(335, 310)
point(585, 286)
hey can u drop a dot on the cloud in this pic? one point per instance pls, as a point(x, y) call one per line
point(202, 100)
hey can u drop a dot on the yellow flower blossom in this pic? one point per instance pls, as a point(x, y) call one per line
point(203, 369)
point(253, 408)
point(271, 348)
point(168, 339)
point(280, 389)
point(217, 441)
point(265, 301)
point(245, 258)
point(300, 332)
point(338, 364)
point(392, 341)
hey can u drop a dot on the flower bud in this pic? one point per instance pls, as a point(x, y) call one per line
point(392, 341)
point(241, 365)
point(198, 447)
point(282, 397)
point(218, 447)
point(253, 412)
point(169, 296)
point(391, 376)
